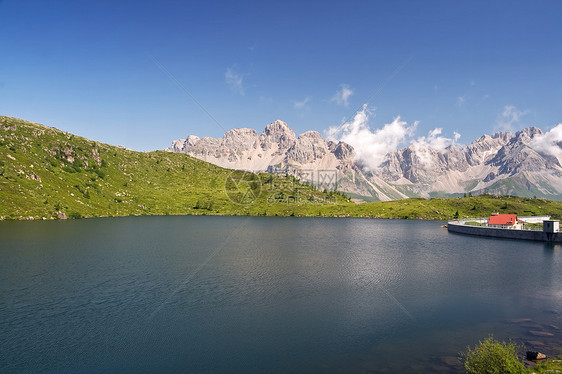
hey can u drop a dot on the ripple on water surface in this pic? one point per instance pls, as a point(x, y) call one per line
point(247, 294)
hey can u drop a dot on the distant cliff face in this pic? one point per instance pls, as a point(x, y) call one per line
point(277, 145)
point(278, 150)
point(504, 163)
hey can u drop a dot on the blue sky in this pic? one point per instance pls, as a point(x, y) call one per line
point(88, 67)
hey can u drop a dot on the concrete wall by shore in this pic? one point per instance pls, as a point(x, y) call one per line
point(458, 227)
point(533, 219)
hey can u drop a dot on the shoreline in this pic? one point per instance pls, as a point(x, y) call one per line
point(51, 219)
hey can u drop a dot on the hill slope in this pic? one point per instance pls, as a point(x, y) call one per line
point(46, 173)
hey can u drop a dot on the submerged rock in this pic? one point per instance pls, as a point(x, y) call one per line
point(531, 355)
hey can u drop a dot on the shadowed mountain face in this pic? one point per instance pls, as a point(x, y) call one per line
point(504, 163)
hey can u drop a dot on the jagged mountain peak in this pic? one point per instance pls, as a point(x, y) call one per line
point(277, 127)
point(529, 132)
point(342, 151)
point(240, 131)
point(504, 162)
point(312, 135)
point(504, 135)
point(278, 149)
point(277, 133)
point(279, 123)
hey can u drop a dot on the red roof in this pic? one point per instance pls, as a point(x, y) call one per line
point(503, 219)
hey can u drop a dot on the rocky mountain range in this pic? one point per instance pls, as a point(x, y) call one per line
point(504, 163)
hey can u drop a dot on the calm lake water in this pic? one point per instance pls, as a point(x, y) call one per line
point(256, 295)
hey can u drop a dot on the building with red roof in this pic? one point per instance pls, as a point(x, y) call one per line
point(504, 221)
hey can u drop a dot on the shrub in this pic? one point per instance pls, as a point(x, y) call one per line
point(74, 215)
point(493, 357)
point(70, 169)
point(207, 204)
point(100, 173)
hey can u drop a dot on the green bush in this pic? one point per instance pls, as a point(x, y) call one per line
point(100, 173)
point(70, 169)
point(74, 215)
point(493, 357)
point(208, 205)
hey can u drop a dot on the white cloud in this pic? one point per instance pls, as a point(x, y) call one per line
point(460, 101)
point(549, 143)
point(435, 141)
point(425, 146)
point(301, 104)
point(235, 81)
point(371, 146)
point(342, 96)
point(472, 83)
point(510, 117)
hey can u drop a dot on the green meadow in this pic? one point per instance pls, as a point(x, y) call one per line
point(46, 173)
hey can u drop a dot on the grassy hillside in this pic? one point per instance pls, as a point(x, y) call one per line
point(461, 207)
point(46, 173)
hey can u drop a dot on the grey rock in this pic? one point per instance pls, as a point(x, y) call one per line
point(278, 150)
point(503, 163)
point(481, 167)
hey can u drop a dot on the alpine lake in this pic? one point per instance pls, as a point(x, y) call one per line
point(185, 294)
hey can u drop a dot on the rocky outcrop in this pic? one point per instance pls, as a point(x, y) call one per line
point(34, 177)
point(503, 163)
point(277, 134)
point(277, 149)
